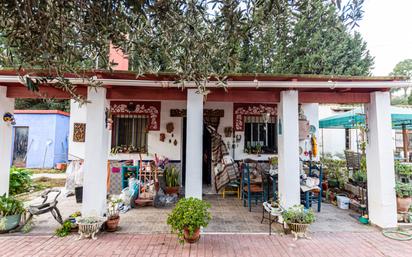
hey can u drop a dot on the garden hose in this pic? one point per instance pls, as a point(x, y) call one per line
point(397, 235)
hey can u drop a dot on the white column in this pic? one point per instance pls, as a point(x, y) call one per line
point(6, 129)
point(288, 140)
point(194, 144)
point(380, 163)
point(96, 154)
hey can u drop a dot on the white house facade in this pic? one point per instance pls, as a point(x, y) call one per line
point(133, 117)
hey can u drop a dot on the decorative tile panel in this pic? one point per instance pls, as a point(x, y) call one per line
point(240, 110)
point(79, 132)
point(151, 109)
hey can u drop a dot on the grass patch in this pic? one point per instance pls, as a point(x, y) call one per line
point(44, 182)
point(50, 171)
point(39, 185)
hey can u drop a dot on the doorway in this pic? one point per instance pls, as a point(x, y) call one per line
point(21, 139)
point(207, 155)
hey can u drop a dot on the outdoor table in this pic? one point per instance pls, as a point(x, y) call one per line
point(274, 214)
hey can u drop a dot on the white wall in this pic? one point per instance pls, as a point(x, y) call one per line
point(6, 130)
point(77, 115)
point(169, 150)
point(331, 140)
point(173, 152)
point(311, 112)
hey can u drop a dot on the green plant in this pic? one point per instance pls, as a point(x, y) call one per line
point(403, 169)
point(172, 176)
point(10, 206)
point(189, 213)
point(20, 181)
point(337, 172)
point(298, 214)
point(359, 177)
point(258, 148)
point(28, 226)
point(75, 214)
point(113, 211)
point(273, 161)
point(403, 190)
point(65, 229)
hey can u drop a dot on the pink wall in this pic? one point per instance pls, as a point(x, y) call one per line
point(117, 56)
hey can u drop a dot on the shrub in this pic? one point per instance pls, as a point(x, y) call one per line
point(10, 206)
point(298, 214)
point(64, 230)
point(189, 213)
point(337, 172)
point(403, 169)
point(20, 181)
point(403, 190)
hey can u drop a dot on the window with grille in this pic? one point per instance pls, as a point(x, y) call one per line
point(260, 136)
point(130, 133)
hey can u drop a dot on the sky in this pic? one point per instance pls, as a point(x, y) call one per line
point(387, 28)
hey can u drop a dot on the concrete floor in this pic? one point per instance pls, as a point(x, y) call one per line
point(228, 216)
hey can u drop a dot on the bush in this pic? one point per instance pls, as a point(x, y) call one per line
point(403, 169)
point(20, 181)
point(64, 230)
point(403, 190)
point(189, 213)
point(337, 173)
point(298, 214)
point(10, 206)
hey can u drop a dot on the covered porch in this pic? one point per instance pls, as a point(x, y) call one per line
point(245, 95)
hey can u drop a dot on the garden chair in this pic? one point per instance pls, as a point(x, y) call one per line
point(47, 206)
point(309, 198)
point(251, 188)
point(39, 209)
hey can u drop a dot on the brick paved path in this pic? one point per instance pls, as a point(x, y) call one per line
point(322, 244)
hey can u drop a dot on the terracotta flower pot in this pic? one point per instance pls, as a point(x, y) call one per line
point(112, 224)
point(61, 166)
point(403, 204)
point(172, 190)
point(191, 239)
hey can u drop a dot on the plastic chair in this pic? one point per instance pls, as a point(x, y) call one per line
point(47, 206)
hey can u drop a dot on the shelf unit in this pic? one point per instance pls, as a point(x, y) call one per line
point(127, 172)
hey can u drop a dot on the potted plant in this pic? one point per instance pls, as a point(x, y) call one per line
point(172, 180)
point(298, 220)
point(187, 217)
point(10, 212)
point(113, 216)
point(403, 196)
point(89, 226)
point(72, 219)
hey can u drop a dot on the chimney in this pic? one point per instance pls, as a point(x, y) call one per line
point(117, 56)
